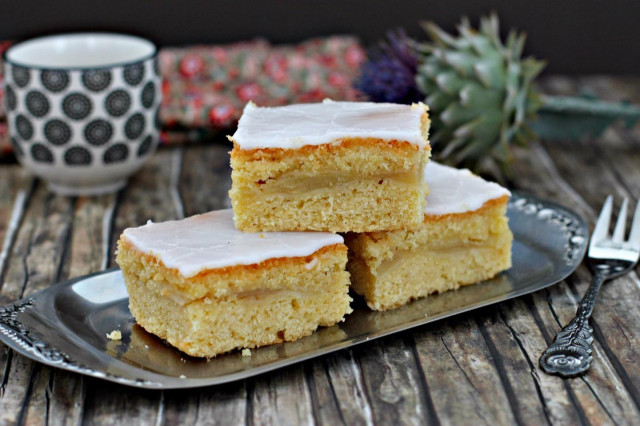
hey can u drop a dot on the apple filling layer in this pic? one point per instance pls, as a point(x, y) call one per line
point(416, 273)
point(447, 251)
point(257, 295)
point(311, 185)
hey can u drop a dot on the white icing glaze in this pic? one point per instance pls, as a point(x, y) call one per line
point(210, 241)
point(457, 190)
point(294, 126)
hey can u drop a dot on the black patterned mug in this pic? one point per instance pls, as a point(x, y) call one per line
point(83, 108)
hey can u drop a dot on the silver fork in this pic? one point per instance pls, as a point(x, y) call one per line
point(570, 354)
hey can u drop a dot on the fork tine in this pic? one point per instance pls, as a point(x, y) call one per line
point(621, 224)
point(634, 235)
point(601, 230)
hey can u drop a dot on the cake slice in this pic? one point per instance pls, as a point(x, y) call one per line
point(330, 166)
point(207, 288)
point(464, 238)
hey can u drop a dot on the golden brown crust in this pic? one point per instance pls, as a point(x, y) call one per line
point(278, 262)
point(486, 206)
point(432, 219)
point(334, 147)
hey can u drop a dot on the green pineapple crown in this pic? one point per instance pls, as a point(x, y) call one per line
point(480, 92)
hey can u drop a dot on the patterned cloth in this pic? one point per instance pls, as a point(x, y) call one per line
point(205, 88)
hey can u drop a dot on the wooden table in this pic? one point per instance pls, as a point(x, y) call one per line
point(477, 368)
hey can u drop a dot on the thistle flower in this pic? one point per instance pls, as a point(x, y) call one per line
point(389, 74)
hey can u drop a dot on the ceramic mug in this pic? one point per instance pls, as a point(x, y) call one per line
point(83, 108)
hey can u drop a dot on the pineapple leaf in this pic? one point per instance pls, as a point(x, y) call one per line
point(460, 61)
point(478, 98)
point(515, 44)
point(490, 27)
point(490, 71)
point(574, 117)
point(440, 37)
point(454, 145)
point(483, 94)
point(439, 100)
point(531, 68)
point(480, 45)
point(450, 82)
point(467, 33)
point(486, 126)
point(455, 115)
point(512, 86)
point(425, 85)
point(473, 152)
point(431, 69)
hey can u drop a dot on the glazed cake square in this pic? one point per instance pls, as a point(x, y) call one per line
point(464, 238)
point(330, 166)
point(207, 288)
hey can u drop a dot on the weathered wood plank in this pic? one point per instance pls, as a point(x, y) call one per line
point(108, 403)
point(598, 395)
point(59, 402)
point(517, 369)
point(66, 393)
point(564, 400)
point(610, 159)
point(90, 249)
point(464, 383)
point(393, 382)
point(594, 397)
point(338, 391)
point(35, 263)
point(14, 195)
point(280, 398)
point(88, 253)
point(18, 377)
point(219, 405)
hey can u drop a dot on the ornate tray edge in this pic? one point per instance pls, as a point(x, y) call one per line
point(30, 344)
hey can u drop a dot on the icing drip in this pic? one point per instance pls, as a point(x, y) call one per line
point(457, 190)
point(294, 126)
point(210, 240)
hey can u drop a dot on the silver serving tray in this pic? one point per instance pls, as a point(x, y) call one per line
point(66, 325)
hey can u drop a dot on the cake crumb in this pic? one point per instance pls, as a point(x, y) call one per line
point(261, 235)
point(182, 376)
point(246, 352)
point(115, 335)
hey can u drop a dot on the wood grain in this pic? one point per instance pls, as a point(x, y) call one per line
point(340, 396)
point(36, 260)
point(476, 368)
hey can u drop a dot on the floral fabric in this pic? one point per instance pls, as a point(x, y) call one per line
point(205, 88)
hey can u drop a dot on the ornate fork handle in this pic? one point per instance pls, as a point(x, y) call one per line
point(570, 353)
